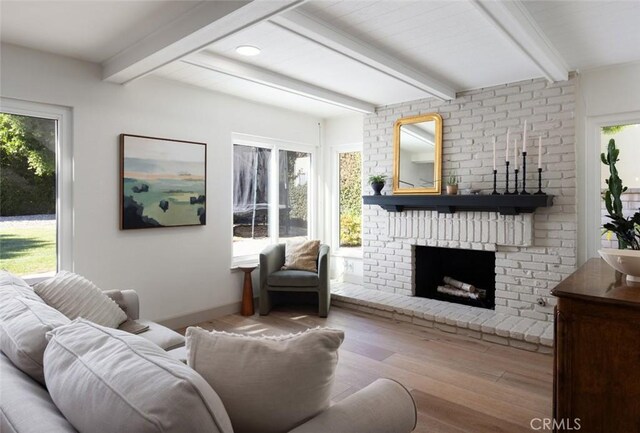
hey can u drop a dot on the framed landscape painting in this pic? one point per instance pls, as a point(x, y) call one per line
point(162, 182)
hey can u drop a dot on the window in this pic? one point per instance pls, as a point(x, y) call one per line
point(346, 200)
point(627, 140)
point(293, 179)
point(350, 199)
point(272, 187)
point(28, 228)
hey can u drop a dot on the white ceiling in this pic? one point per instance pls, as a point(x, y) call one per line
point(87, 30)
point(223, 83)
point(452, 42)
point(450, 39)
point(589, 34)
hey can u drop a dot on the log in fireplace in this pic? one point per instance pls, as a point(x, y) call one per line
point(461, 276)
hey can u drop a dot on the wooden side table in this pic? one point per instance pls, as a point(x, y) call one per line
point(247, 291)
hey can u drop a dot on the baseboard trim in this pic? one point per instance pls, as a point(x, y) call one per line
point(200, 316)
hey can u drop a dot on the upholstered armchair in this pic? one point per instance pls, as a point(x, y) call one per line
point(274, 279)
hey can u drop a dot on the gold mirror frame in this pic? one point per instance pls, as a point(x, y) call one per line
point(437, 167)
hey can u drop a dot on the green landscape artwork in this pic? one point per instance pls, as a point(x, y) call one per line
point(163, 182)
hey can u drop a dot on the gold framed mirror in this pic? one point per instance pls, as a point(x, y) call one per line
point(417, 154)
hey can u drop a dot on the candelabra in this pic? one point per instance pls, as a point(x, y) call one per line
point(540, 182)
point(495, 175)
point(506, 191)
point(524, 175)
point(515, 188)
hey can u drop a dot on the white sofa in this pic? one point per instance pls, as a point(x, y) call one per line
point(385, 406)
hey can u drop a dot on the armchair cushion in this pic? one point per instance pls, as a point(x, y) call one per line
point(293, 278)
point(302, 255)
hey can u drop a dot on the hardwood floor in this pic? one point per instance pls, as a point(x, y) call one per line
point(459, 384)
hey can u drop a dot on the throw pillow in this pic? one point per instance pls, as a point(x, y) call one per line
point(12, 286)
point(105, 380)
point(75, 296)
point(267, 384)
point(24, 324)
point(25, 405)
point(302, 255)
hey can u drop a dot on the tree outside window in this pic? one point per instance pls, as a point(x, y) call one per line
point(350, 199)
point(28, 194)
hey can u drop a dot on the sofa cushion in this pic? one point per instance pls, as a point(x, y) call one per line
point(23, 327)
point(108, 381)
point(75, 296)
point(25, 406)
point(12, 286)
point(293, 278)
point(267, 384)
point(161, 335)
point(301, 255)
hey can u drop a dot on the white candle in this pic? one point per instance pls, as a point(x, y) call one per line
point(506, 152)
point(524, 137)
point(515, 154)
point(540, 152)
point(494, 152)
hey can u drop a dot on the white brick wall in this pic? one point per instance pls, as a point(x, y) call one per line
point(470, 230)
point(526, 269)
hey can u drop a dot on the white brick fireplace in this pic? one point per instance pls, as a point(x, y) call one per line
point(533, 251)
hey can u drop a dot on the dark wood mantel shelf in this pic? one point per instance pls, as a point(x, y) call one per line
point(504, 204)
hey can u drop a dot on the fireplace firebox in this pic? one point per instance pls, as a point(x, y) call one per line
point(461, 276)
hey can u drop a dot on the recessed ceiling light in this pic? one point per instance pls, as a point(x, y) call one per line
point(248, 50)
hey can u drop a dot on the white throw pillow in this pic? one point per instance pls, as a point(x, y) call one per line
point(24, 324)
point(12, 286)
point(75, 296)
point(267, 384)
point(105, 380)
point(8, 278)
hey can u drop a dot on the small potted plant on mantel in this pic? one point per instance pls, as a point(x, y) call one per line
point(452, 183)
point(377, 182)
point(626, 258)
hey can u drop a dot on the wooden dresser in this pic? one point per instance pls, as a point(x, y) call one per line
point(597, 351)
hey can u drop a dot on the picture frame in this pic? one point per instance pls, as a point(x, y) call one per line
point(163, 182)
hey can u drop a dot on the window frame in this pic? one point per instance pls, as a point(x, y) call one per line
point(64, 173)
point(276, 146)
point(336, 150)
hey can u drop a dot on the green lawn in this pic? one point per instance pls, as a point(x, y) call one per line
point(28, 250)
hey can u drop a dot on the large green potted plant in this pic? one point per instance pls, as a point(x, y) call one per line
point(626, 258)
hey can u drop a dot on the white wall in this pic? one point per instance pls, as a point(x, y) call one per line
point(605, 96)
point(176, 271)
point(339, 132)
point(343, 130)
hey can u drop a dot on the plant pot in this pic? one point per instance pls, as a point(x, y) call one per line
point(625, 261)
point(452, 189)
point(377, 187)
